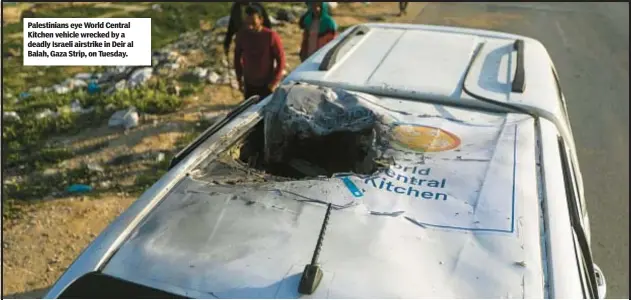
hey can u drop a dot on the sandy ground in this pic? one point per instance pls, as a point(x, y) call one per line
point(38, 247)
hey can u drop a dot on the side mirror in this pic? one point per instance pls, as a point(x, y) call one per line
point(601, 283)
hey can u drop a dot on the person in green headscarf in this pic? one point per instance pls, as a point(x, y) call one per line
point(318, 27)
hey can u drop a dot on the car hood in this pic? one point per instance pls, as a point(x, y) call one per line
point(454, 215)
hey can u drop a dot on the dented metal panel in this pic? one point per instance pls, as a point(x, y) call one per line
point(431, 61)
point(453, 213)
point(412, 63)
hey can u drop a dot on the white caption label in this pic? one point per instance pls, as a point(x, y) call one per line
point(87, 42)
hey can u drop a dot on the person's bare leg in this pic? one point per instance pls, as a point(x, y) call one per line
point(403, 8)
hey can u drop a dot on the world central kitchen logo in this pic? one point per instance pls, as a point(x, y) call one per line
point(421, 138)
point(410, 181)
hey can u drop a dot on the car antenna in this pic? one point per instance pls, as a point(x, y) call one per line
point(312, 275)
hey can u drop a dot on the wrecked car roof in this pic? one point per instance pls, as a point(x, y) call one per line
point(437, 62)
point(454, 214)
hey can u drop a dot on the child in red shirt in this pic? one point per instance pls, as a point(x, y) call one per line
point(259, 58)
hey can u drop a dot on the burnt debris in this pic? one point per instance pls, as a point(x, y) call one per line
point(307, 132)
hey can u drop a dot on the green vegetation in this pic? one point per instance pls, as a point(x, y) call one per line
point(30, 189)
point(173, 19)
point(25, 139)
point(18, 78)
point(15, 193)
point(26, 149)
point(149, 177)
point(152, 174)
point(79, 11)
point(176, 18)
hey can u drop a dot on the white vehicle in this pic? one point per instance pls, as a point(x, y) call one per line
point(399, 161)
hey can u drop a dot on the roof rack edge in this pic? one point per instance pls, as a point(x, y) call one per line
point(519, 82)
point(331, 56)
point(509, 106)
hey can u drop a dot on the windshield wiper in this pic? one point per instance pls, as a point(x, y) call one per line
point(312, 275)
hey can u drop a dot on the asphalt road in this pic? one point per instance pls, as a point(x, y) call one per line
point(589, 45)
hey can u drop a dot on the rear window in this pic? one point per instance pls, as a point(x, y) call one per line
point(100, 286)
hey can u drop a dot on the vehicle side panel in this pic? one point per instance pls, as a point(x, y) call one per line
point(108, 242)
point(563, 274)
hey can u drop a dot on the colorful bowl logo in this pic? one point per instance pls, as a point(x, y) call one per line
point(422, 138)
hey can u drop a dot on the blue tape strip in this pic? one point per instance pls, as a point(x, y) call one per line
point(358, 193)
point(352, 187)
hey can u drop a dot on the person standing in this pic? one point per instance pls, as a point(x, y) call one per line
point(236, 19)
point(403, 6)
point(318, 29)
point(259, 57)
